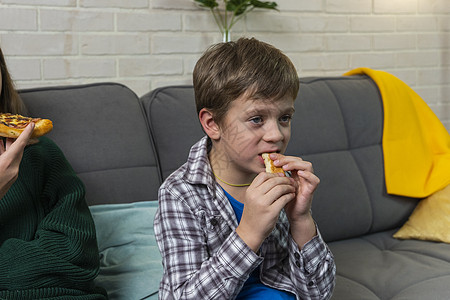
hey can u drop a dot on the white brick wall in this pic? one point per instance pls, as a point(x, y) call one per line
point(150, 43)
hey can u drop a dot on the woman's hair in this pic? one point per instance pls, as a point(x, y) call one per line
point(228, 70)
point(10, 101)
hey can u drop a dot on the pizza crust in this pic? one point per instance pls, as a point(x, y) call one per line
point(270, 167)
point(42, 126)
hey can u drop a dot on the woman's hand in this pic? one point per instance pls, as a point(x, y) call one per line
point(11, 153)
point(264, 199)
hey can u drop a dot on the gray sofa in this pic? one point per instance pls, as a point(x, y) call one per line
point(123, 147)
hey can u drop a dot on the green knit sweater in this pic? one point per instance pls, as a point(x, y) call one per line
point(48, 247)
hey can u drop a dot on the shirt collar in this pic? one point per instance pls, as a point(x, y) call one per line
point(198, 166)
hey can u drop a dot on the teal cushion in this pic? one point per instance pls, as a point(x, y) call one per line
point(130, 262)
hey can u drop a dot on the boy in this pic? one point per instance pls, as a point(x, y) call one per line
point(226, 229)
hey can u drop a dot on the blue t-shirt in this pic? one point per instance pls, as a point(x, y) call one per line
point(253, 288)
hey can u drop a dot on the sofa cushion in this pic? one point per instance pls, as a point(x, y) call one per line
point(377, 266)
point(103, 132)
point(130, 263)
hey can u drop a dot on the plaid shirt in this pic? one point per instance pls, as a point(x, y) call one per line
point(204, 257)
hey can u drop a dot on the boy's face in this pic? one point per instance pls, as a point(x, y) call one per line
point(250, 128)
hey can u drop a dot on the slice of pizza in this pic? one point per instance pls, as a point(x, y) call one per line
point(270, 167)
point(11, 126)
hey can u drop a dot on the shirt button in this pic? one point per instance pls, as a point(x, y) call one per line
point(297, 263)
point(311, 283)
point(297, 255)
point(214, 222)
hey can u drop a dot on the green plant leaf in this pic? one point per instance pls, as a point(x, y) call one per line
point(264, 4)
point(234, 10)
point(207, 3)
point(238, 7)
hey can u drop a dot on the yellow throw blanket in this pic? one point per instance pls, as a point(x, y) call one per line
point(416, 145)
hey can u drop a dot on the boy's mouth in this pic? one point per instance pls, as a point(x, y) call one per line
point(271, 151)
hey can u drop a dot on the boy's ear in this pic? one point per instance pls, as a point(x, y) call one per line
point(209, 125)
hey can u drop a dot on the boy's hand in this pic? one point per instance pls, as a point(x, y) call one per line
point(11, 153)
point(298, 211)
point(264, 199)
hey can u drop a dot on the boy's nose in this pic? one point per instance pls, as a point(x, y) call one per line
point(273, 133)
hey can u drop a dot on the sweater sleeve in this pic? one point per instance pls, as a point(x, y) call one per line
point(52, 251)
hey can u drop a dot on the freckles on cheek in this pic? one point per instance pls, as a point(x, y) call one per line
point(239, 140)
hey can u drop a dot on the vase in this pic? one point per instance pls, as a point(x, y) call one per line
point(226, 37)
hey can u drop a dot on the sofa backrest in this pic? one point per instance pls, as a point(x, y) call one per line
point(174, 124)
point(102, 130)
point(337, 126)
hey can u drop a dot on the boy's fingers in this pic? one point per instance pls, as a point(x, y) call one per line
point(282, 189)
point(266, 181)
point(309, 176)
point(283, 200)
point(260, 179)
point(290, 163)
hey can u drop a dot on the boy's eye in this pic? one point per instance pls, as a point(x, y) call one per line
point(286, 118)
point(256, 120)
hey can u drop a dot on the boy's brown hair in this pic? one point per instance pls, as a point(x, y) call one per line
point(228, 70)
point(10, 101)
